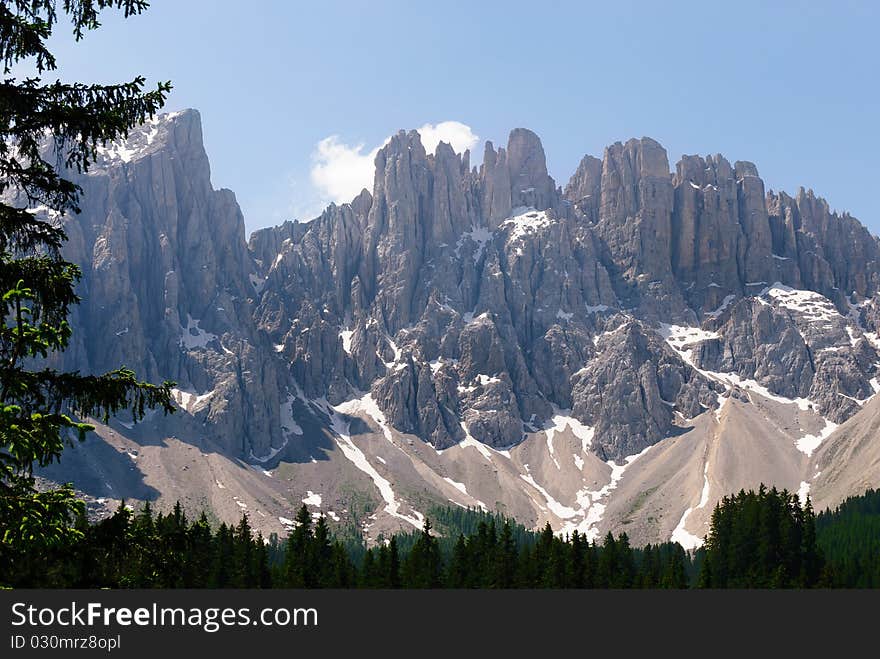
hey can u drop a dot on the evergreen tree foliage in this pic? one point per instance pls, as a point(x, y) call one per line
point(423, 565)
point(48, 129)
point(298, 550)
point(849, 538)
point(761, 539)
point(788, 545)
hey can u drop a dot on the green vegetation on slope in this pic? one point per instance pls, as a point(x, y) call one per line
point(763, 539)
point(849, 537)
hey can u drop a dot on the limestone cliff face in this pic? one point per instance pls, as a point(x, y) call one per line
point(611, 356)
point(635, 210)
point(166, 286)
point(480, 297)
point(474, 301)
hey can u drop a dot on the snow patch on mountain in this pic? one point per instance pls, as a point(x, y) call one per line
point(346, 335)
point(591, 502)
point(138, 143)
point(812, 307)
point(350, 450)
point(680, 534)
point(193, 337)
point(525, 221)
point(463, 489)
point(190, 401)
point(288, 423)
point(803, 492)
point(558, 509)
point(722, 308)
point(480, 236)
point(312, 499)
point(683, 339)
point(561, 420)
point(809, 443)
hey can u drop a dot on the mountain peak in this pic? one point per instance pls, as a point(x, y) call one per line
point(541, 345)
point(179, 129)
point(526, 159)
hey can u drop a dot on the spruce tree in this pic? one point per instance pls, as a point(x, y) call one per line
point(367, 577)
point(246, 574)
point(505, 563)
point(577, 559)
point(223, 571)
point(457, 570)
point(648, 568)
point(392, 575)
point(342, 570)
point(811, 564)
point(42, 409)
point(423, 564)
point(200, 559)
point(626, 563)
point(320, 558)
point(261, 561)
point(675, 571)
point(296, 553)
point(544, 557)
point(608, 564)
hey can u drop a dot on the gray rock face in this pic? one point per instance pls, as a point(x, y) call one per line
point(761, 343)
point(474, 301)
point(796, 344)
point(629, 394)
point(166, 286)
point(515, 178)
point(530, 184)
point(585, 188)
point(635, 210)
point(835, 253)
point(706, 229)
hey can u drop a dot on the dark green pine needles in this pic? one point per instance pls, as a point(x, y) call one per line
point(42, 409)
point(757, 540)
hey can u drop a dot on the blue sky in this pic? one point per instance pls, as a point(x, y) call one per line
point(791, 86)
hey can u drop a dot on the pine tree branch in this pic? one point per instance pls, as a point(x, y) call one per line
point(22, 36)
point(22, 232)
point(78, 117)
point(39, 122)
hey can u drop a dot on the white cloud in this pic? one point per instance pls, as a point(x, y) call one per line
point(459, 135)
point(340, 171)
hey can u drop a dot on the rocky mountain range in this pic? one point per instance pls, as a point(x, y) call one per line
point(612, 355)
